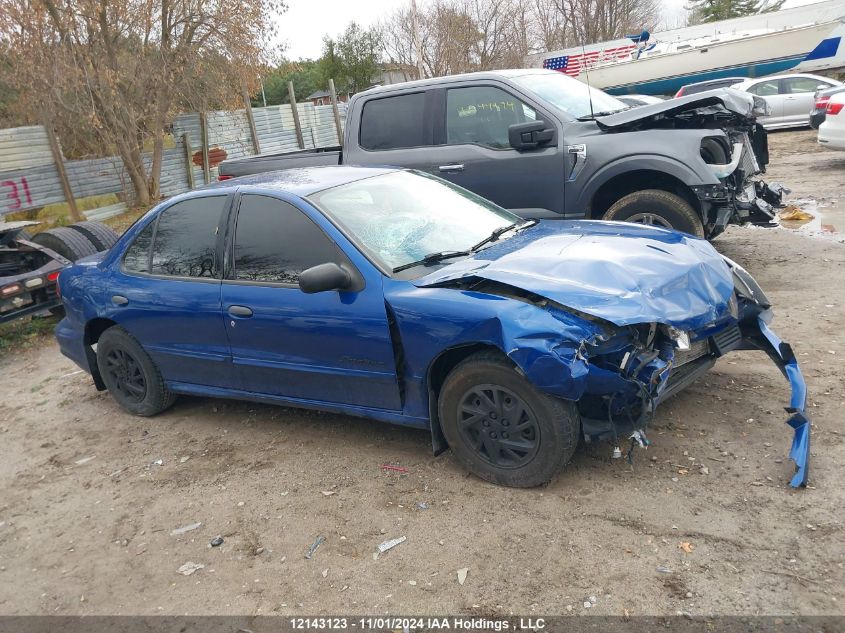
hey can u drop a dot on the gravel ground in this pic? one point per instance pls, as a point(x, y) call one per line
point(703, 522)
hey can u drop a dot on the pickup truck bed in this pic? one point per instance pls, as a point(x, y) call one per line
point(274, 162)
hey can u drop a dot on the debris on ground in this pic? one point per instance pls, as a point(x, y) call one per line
point(386, 545)
point(794, 213)
point(185, 528)
point(462, 575)
point(421, 505)
point(158, 462)
point(189, 568)
point(183, 459)
point(217, 541)
point(324, 573)
point(84, 460)
point(664, 570)
point(317, 542)
point(397, 469)
point(687, 547)
point(328, 493)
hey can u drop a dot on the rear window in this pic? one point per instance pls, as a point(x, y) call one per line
point(393, 122)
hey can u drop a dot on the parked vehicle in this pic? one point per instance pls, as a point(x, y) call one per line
point(790, 97)
point(832, 131)
point(821, 99)
point(710, 84)
point(29, 266)
point(544, 145)
point(398, 296)
point(639, 100)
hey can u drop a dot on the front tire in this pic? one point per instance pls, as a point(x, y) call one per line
point(658, 208)
point(501, 428)
point(130, 374)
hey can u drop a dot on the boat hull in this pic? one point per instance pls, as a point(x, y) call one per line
point(754, 56)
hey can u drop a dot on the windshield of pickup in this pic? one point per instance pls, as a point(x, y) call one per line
point(401, 217)
point(568, 95)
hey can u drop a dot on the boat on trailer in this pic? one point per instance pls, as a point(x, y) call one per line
point(802, 39)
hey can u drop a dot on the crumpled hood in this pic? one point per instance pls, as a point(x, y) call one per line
point(623, 273)
point(734, 101)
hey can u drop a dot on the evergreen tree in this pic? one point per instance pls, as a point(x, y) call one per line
point(715, 10)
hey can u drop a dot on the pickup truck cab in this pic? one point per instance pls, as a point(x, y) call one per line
point(544, 145)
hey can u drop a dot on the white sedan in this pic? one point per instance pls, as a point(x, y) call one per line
point(790, 97)
point(832, 131)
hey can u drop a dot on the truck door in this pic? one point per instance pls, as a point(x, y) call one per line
point(461, 134)
point(472, 150)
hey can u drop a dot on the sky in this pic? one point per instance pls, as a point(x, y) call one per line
point(306, 21)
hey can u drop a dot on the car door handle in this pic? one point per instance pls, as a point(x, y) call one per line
point(451, 168)
point(119, 300)
point(240, 311)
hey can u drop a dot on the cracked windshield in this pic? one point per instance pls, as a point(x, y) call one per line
point(401, 217)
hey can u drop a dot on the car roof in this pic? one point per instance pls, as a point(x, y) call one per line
point(715, 81)
point(487, 74)
point(301, 181)
point(755, 80)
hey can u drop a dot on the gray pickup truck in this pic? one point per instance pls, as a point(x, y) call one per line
point(544, 145)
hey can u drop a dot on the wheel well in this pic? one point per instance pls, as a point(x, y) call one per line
point(437, 373)
point(620, 186)
point(94, 329)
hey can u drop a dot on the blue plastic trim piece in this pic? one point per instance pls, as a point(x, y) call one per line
point(800, 451)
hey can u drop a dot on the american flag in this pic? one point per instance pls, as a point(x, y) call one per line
point(572, 65)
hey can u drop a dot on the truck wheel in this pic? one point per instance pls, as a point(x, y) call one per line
point(101, 236)
point(130, 374)
point(66, 242)
point(659, 208)
point(501, 428)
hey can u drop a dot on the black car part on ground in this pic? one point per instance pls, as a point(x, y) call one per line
point(30, 266)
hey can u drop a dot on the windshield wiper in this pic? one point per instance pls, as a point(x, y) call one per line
point(495, 235)
point(594, 115)
point(431, 258)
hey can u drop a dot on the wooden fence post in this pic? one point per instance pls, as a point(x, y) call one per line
point(250, 119)
point(206, 171)
point(295, 112)
point(59, 160)
point(336, 113)
point(189, 158)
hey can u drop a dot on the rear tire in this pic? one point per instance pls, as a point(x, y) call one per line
point(66, 242)
point(658, 208)
point(101, 236)
point(501, 428)
point(130, 375)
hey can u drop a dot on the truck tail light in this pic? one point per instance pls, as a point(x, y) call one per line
point(834, 108)
point(54, 276)
point(11, 289)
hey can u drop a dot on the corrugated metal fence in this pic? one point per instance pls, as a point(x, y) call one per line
point(29, 178)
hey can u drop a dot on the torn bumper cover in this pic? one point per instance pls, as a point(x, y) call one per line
point(781, 353)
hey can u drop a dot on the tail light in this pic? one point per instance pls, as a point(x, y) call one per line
point(54, 276)
point(821, 103)
point(834, 108)
point(224, 177)
point(11, 289)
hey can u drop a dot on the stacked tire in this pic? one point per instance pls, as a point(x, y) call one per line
point(77, 240)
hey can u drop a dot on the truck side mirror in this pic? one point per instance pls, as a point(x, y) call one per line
point(528, 135)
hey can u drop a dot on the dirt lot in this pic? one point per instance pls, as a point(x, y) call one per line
point(89, 495)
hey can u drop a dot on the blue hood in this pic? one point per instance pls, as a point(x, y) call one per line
point(623, 273)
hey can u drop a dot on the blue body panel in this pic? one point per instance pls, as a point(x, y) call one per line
point(554, 298)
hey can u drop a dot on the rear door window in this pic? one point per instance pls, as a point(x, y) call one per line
point(393, 122)
point(137, 257)
point(794, 85)
point(185, 239)
point(275, 242)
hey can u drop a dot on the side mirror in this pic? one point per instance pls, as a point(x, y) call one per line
point(529, 135)
point(324, 277)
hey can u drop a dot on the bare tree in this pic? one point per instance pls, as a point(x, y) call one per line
point(118, 68)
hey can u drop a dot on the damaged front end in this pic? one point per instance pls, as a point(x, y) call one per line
point(630, 374)
point(737, 153)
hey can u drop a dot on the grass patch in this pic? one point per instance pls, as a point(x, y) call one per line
point(25, 333)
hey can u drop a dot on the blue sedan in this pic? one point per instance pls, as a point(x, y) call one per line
point(393, 295)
